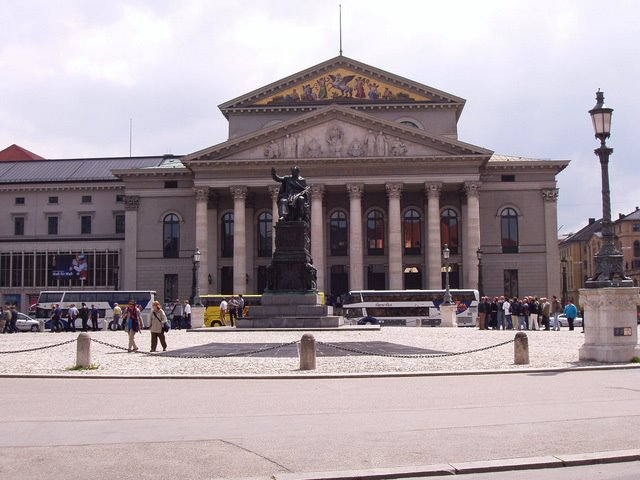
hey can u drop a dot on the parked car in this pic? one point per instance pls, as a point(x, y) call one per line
point(565, 323)
point(63, 322)
point(27, 324)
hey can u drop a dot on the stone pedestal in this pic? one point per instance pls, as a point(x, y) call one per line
point(197, 316)
point(448, 314)
point(611, 325)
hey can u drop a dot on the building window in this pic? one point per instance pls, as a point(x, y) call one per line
point(508, 178)
point(226, 232)
point(85, 224)
point(53, 200)
point(265, 234)
point(636, 227)
point(86, 198)
point(18, 226)
point(338, 233)
point(170, 287)
point(120, 198)
point(636, 248)
point(119, 218)
point(409, 124)
point(171, 184)
point(449, 231)
point(19, 200)
point(509, 229)
point(412, 232)
point(375, 233)
point(511, 283)
point(52, 225)
point(171, 236)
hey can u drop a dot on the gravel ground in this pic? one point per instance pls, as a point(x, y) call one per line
point(547, 349)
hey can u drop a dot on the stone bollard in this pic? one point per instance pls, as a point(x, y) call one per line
point(83, 354)
point(521, 349)
point(307, 352)
point(105, 324)
point(41, 325)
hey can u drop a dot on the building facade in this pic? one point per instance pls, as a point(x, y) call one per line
point(390, 184)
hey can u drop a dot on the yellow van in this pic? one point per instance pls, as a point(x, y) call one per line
point(212, 308)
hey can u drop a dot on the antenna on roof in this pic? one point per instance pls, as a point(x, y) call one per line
point(340, 8)
point(130, 135)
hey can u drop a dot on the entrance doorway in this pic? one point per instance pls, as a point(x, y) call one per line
point(412, 278)
point(226, 281)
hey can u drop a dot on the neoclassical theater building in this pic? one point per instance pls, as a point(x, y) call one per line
point(390, 184)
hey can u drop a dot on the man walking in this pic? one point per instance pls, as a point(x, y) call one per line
point(186, 314)
point(177, 315)
point(556, 308)
point(571, 311)
point(71, 318)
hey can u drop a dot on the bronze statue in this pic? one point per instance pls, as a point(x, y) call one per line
point(293, 198)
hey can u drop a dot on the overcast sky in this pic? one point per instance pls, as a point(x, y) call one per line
point(73, 73)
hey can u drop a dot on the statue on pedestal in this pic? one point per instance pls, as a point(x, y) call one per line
point(293, 197)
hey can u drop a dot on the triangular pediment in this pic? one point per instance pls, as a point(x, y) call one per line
point(344, 81)
point(335, 132)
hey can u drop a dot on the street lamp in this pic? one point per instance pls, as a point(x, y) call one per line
point(446, 253)
point(195, 297)
point(116, 276)
point(609, 268)
point(479, 255)
point(564, 280)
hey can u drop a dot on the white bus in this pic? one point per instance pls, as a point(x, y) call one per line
point(104, 301)
point(419, 308)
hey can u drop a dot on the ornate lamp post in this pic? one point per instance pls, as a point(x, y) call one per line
point(564, 280)
point(609, 268)
point(195, 297)
point(446, 253)
point(479, 254)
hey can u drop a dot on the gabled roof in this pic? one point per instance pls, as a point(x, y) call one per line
point(585, 233)
point(326, 114)
point(635, 215)
point(344, 81)
point(16, 153)
point(510, 162)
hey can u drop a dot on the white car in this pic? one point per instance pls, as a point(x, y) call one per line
point(27, 324)
point(565, 323)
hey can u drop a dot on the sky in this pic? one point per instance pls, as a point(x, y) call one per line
point(77, 76)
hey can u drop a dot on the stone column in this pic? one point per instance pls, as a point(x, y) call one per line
point(317, 234)
point(130, 265)
point(552, 260)
point(212, 242)
point(273, 191)
point(239, 239)
point(394, 191)
point(250, 236)
point(356, 255)
point(202, 197)
point(433, 251)
point(472, 189)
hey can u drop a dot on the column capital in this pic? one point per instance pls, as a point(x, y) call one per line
point(274, 191)
point(131, 202)
point(317, 189)
point(472, 189)
point(433, 189)
point(201, 194)
point(355, 190)
point(394, 190)
point(550, 194)
point(239, 192)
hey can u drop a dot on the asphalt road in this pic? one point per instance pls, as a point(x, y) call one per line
point(66, 428)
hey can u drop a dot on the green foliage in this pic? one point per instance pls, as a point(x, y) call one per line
point(635, 360)
point(93, 366)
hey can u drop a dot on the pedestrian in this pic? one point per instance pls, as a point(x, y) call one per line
point(84, 316)
point(3, 317)
point(13, 325)
point(571, 311)
point(523, 319)
point(482, 313)
point(545, 310)
point(72, 314)
point(186, 315)
point(533, 313)
point(493, 309)
point(94, 318)
point(506, 306)
point(233, 310)
point(117, 314)
point(158, 321)
point(176, 315)
point(240, 306)
point(556, 309)
point(224, 305)
point(501, 325)
point(133, 324)
point(56, 313)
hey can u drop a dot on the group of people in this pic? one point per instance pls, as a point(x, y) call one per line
point(73, 313)
point(234, 307)
point(527, 313)
point(181, 315)
point(8, 318)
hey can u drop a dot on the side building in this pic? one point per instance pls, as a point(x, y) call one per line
point(390, 184)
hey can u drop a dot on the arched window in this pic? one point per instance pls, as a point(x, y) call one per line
point(338, 233)
point(509, 229)
point(375, 233)
point(412, 232)
point(265, 234)
point(409, 123)
point(449, 234)
point(171, 236)
point(636, 248)
point(226, 232)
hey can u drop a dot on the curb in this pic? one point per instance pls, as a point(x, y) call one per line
point(448, 469)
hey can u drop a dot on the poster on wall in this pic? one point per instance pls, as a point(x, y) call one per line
point(70, 267)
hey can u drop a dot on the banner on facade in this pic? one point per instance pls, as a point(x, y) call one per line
point(75, 267)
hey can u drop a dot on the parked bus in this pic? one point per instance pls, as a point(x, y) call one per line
point(410, 307)
point(212, 308)
point(104, 301)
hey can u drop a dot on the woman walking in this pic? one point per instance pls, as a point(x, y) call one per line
point(133, 324)
point(158, 321)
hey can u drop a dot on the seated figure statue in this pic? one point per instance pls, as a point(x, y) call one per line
point(293, 197)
